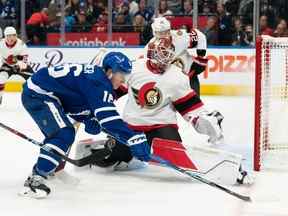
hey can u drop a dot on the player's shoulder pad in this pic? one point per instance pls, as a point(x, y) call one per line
point(178, 32)
point(19, 41)
point(138, 65)
point(176, 75)
point(153, 39)
point(97, 75)
point(199, 33)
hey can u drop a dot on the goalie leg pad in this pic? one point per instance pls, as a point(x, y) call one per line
point(214, 164)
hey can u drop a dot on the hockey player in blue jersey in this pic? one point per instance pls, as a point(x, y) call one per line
point(84, 93)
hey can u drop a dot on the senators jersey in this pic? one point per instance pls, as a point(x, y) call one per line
point(154, 98)
point(182, 42)
point(12, 54)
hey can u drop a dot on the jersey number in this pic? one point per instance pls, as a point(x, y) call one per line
point(108, 98)
point(63, 70)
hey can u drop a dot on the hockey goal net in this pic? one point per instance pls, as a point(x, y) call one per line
point(271, 103)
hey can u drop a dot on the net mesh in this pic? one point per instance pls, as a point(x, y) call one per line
point(274, 103)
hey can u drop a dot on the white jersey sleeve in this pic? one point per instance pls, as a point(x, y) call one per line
point(184, 98)
point(24, 52)
point(181, 88)
point(202, 41)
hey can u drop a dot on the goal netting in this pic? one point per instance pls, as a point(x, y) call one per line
point(271, 103)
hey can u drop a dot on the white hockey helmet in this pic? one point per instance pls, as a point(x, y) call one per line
point(9, 31)
point(160, 25)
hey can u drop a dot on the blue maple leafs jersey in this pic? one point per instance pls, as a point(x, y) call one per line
point(84, 92)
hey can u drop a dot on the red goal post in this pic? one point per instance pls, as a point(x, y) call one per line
point(271, 103)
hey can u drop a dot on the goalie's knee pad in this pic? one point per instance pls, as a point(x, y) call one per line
point(120, 152)
point(210, 124)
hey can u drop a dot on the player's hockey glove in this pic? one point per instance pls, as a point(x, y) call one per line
point(198, 66)
point(139, 147)
point(92, 126)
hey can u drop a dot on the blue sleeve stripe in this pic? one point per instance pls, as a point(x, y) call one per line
point(102, 109)
point(106, 114)
point(55, 148)
point(109, 119)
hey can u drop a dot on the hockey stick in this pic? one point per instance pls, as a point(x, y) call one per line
point(177, 150)
point(201, 179)
point(192, 175)
point(92, 158)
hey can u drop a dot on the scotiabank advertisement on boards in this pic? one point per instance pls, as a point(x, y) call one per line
point(229, 71)
point(94, 39)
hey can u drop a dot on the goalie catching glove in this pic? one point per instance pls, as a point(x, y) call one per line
point(208, 124)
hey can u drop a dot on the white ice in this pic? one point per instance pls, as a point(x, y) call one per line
point(153, 191)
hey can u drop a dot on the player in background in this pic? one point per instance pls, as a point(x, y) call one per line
point(13, 58)
point(185, 46)
point(84, 93)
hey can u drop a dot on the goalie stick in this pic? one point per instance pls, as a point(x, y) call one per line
point(191, 175)
point(92, 158)
point(176, 153)
point(201, 179)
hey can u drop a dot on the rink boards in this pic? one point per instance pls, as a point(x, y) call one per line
point(230, 71)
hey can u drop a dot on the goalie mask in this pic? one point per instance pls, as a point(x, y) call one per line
point(161, 53)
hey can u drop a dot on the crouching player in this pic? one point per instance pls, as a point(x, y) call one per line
point(157, 89)
point(84, 93)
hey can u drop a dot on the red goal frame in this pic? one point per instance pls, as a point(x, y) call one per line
point(257, 109)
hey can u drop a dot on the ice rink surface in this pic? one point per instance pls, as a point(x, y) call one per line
point(151, 191)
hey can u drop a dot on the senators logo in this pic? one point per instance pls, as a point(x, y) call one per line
point(148, 96)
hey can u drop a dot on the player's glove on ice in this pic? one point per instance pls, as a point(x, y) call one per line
point(92, 126)
point(139, 147)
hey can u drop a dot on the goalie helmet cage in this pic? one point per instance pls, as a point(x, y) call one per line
point(271, 103)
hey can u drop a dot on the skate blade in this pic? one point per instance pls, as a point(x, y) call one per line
point(27, 192)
